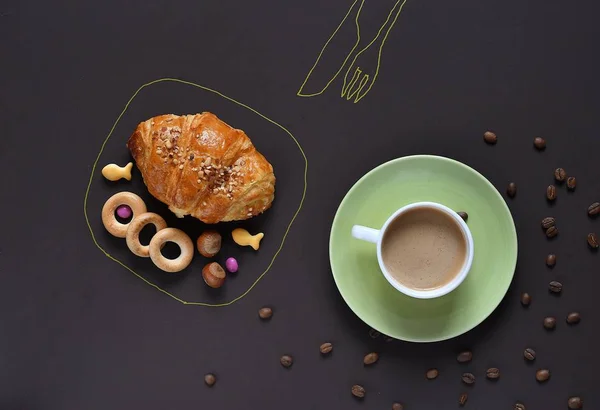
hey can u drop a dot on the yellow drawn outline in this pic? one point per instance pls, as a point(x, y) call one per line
point(299, 94)
point(238, 103)
point(346, 93)
point(363, 82)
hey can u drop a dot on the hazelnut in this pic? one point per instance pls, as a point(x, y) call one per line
point(209, 243)
point(213, 274)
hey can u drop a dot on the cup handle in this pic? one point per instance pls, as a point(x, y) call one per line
point(365, 234)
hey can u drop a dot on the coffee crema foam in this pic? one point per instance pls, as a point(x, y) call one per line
point(424, 249)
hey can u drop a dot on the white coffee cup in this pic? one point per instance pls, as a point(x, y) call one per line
point(376, 236)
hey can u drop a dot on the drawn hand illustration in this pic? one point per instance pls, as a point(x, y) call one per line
point(365, 63)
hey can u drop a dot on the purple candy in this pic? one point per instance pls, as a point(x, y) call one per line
point(231, 265)
point(124, 211)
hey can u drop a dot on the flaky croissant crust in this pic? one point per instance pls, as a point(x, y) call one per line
point(200, 166)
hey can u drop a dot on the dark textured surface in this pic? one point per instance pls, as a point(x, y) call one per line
point(77, 331)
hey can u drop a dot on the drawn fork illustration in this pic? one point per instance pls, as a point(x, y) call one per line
point(356, 84)
point(364, 67)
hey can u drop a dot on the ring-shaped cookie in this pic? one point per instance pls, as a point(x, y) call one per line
point(135, 227)
point(109, 220)
point(186, 246)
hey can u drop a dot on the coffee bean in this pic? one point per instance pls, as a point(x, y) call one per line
point(490, 137)
point(493, 373)
point(370, 358)
point(462, 399)
point(525, 299)
point(548, 222)
point(539, 143)
point(592, 240)
point(463, 215)
point(560, 174)
point(210, 379)
point(326, 348)
point(511, 191)
point(573, 318)
point(464, 357)
point(519, 406)
point(432, 374)
point(397, 406)
point(555, 287)
point(265, 313)
point(551, 193)
point(551, 260)
point(358, 391)
point(286, 360)
point(552, 232)
point(594, 209)
point(571, 183)
point(575, 403)
point(542, 375)
point(549, 323)
point(529, 354)
point(468, 378)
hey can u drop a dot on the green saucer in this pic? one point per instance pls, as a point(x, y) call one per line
point(412, 179)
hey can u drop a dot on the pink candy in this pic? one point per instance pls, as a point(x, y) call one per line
point(231, 264)
point(124, 211)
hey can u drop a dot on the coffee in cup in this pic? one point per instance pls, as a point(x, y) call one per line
point(424, 249)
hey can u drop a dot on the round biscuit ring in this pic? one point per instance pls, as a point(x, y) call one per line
point(135, 227)
point(109, 220)
point(180, 239)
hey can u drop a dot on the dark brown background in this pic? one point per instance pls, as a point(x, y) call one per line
point(77, 331)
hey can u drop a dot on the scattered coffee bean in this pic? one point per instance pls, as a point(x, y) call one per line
point(573, 318)
point(555, 287)
point(286, 360)
point(525, 299)
point(571, 183)
point(358, 391)
point(551, 193)
point(549, 322)
point(265, 313)
point(468, 378)
point(552, 232)
point(542, 375)
point(594, 209)
point(210, 379)
point(551, 260)
point(529, 354)
point(575, 403)
point(397, 406)
point(560, 174)
point(592, 240)
point(490, 137)
point(370, 358)
point(464, 357)
point(511, 191)
point(326, 348)
point(432, 374)
point(539, 143)
point(463, 215)
point(462, 400)
point(548, 222)
point(519, 406)
point(492, 373)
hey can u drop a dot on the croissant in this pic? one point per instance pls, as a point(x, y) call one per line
point(200, 166)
